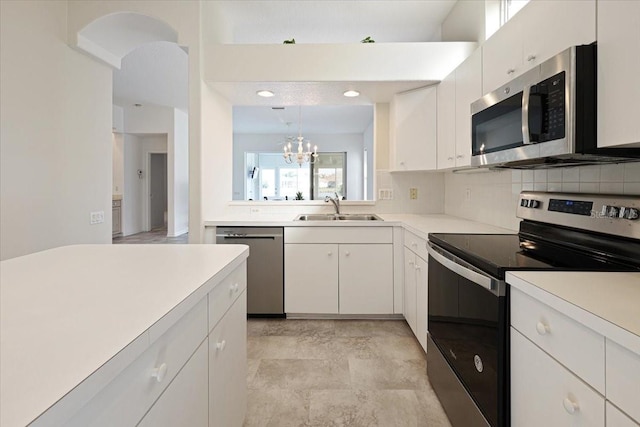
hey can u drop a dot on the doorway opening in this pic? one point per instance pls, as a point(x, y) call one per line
point(158, 199)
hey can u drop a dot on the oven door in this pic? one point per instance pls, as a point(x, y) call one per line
point(467, 321)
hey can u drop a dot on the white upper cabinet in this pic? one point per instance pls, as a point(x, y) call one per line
point(539, 31)
point(414, 131)
point(502, 55)
point(618, 71)
point(551, 27)
point(468, 90)
point(447, 122)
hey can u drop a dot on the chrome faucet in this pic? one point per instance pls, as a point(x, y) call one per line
point(335, 201)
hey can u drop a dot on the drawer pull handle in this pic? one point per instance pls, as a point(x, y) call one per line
point(411, 263)
point(160, 372)
point(221, 345)
point(417, 268)
point(542, 328)
point(329, 253)
point(414, 244)
point(347, 253)
point(570, 406)
point(234, 288)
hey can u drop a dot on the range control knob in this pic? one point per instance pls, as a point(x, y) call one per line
point(524, 203)
point(534, 203)
point(629, 213)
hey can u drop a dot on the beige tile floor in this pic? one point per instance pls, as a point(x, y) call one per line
point(156, 236)
point(338, 373)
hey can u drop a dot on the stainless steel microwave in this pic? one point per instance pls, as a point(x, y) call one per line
point(544, 118)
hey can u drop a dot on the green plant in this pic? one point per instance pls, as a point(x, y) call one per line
point(299, 196)
point(292, 41)
point(367, 39)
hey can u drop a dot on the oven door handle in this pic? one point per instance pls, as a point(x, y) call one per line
point(455, 264)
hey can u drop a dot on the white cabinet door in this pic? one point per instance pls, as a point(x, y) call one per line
point(616, 418)
point(185, 402)
point(410, 286)
point(502, 55)
point(311, 278)
point(468, 90)
point(366, 279)
point(618, 71)
point(228, 367)
point(544, 393)
point(421, 301)
point(414, 138)
point(570, 22)
point(447, 122)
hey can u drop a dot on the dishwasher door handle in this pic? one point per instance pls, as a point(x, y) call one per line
point(249, 236)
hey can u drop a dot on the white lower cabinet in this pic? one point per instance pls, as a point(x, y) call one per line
point(543, 392)
point(184, 402)
point(563, 372)
point(365, 279)
point(338, 270)
point(415, 286)
point(228, 367)
point(311, 278)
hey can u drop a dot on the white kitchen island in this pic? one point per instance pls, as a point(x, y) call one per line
point(93, 332)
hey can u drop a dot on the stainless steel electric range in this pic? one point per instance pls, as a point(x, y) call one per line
point(468, 299)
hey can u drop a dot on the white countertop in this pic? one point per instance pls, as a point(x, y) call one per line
point(608, 303)
point(419, 224)
point(65, 312)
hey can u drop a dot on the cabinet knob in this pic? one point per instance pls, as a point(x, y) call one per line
point(411, 263)
point(449, 158)
point(542, 328)
point(347, 253)
point(221, 345)
point(459, 156)
point(570, 406)
point(160, 372)
point(329, 253)
point(531, 58)
point(417, 268)
point(511, 71)
point(234, 288)
point(414, 244)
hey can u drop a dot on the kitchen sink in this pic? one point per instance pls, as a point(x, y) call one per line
point(338, 217)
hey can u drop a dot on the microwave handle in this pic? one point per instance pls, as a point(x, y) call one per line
point(526, 140)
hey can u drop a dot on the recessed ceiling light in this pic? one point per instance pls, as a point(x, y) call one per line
point(265, 93)
point(351, 93)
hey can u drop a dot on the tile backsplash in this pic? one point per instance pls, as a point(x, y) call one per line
point(491, 197)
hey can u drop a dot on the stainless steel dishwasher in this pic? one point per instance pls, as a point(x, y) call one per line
point(265, 267)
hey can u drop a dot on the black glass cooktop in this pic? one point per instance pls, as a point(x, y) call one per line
point(498, 253)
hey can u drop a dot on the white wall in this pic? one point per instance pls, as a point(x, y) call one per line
point(352, 144)
point(465, 22)
point(117, 181)
point(494, 195)
point(180, 180)
point(369, 146)
point(55, 133)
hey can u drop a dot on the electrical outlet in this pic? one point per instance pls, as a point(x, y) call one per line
point(467, 195)
point(96, 217)
point(413, 193)
point(385, 194)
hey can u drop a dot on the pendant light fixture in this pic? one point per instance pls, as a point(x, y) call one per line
point(300, 156)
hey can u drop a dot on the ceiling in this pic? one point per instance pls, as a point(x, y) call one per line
point(157, 73)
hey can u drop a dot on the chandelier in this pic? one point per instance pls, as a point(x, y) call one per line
point(300, 156)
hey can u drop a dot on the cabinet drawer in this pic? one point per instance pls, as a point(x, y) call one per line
point(623, 378)
point(338, 234)
point(416, 244)
point(128, 397)
point(227, 291)
point(577, 347)
point(543, 392)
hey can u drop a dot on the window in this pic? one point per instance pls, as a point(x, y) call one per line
point(270, 178)
point(508, 8)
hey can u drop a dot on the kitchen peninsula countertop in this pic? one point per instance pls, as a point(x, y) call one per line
point(421, 225)
point(605, 302)
point(73, 317)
